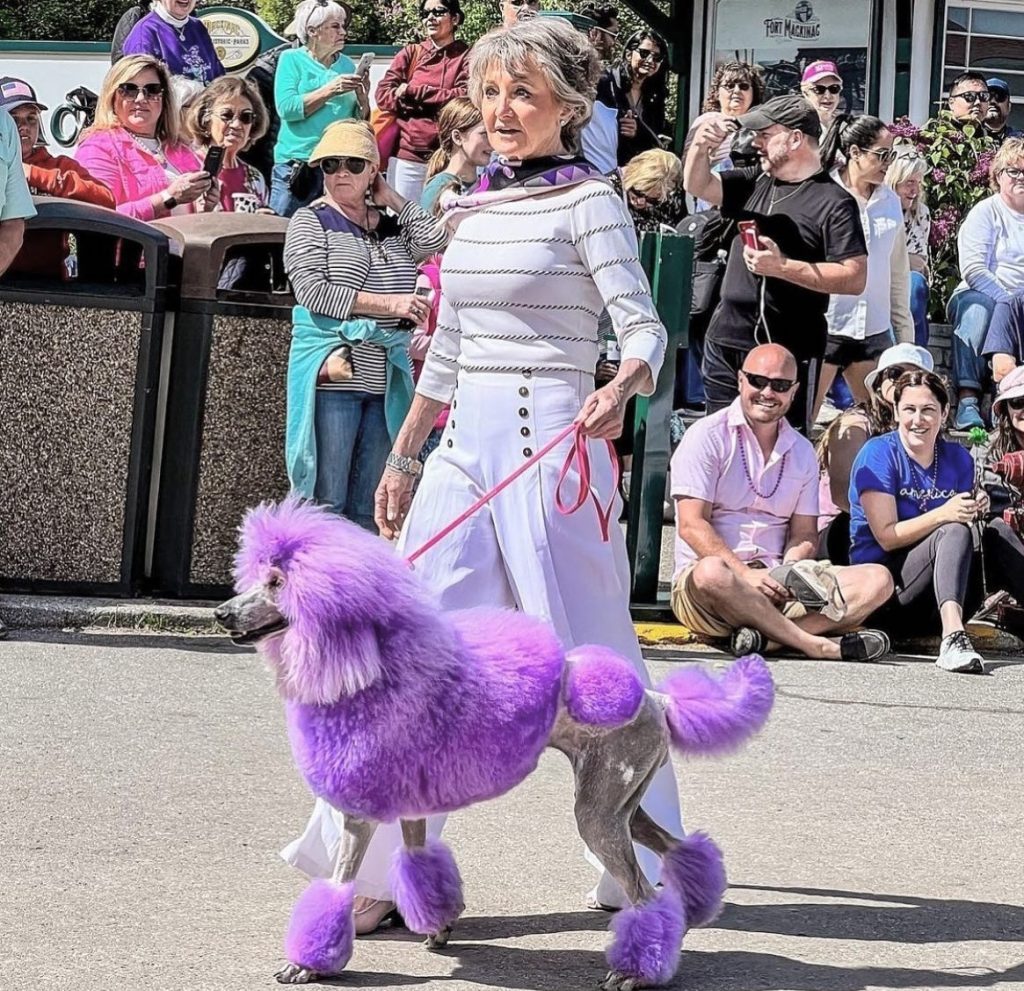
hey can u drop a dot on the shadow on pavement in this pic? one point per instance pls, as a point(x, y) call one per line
point(910, 919)
point(147, 641)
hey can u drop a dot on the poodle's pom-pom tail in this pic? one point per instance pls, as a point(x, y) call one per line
point(648, 939)
point(709, 715)
point(321, 929)
point(601, 688)
point(427, 887)
point(695, 869)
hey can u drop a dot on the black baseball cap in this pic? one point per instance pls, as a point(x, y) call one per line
point(793, 112)
point(17, 93)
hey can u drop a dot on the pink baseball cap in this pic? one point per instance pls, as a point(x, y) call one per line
point(1010, 387)
point(820, 70)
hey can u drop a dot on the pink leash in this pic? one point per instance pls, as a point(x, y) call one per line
point(579, 455)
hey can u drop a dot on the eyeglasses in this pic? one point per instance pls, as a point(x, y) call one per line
point(245, 117)
point(736, 84)
point(972, 97)
point(354, 166)
point(1015, 174)
point(1016, 404)
point(646, 55)
point(525, 3)
point(882, 154)
point(611, 34)
point(132, 91)
point(434, 14)
point(834, 88)
point(763, 381)
point(647, 200)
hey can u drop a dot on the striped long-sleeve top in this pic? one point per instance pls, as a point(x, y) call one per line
point(524, 282)
point(329, 260)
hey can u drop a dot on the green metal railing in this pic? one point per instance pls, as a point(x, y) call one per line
point(668, 261)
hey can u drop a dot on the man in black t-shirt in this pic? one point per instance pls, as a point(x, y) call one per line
point(811, 244)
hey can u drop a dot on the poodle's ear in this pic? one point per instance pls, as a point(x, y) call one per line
point(320, 670)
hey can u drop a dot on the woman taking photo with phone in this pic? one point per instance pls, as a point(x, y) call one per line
point(314, 86)
point(912, 503)
point(135, 148)
point(229, 115)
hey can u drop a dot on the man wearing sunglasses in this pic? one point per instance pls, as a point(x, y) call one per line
point(969, 98)
point(745, 484)
point(805, 243)
point(999, 109)
point(604, 34)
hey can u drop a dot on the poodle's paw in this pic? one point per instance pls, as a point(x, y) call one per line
point(292, 973)
point(648, 938)
point(439, 940)
point(614, 981)
point(427, 887)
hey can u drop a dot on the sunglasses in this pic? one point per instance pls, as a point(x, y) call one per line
point(999, 95)
point(611, 34)
point(1016, 404)
point(131, 91)
point(763, 381)
point(643, 197)
point(834, 88)
point(434, 14)
point(882, 154)
point(243, 116)
point(742, 87)
point(354, 166)
point(1015, 174)
point(971, 97)
point(894, 372)
point(646, 55)
point(525, 3)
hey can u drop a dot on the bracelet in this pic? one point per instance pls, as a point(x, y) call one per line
point(404, 465)
point(170, 202)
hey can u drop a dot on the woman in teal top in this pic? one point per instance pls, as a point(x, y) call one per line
point(314, 86)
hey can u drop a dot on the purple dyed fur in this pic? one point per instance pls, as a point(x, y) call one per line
point(709, 716)
point(382, 688)
point(321, 929)
point(601, 687)
point(648, 938)
point(696, 870)
point(427, 887)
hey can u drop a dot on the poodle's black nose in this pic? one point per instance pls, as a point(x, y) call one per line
point(222, 614)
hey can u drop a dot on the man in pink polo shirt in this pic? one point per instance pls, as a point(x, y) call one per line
point(746, 490)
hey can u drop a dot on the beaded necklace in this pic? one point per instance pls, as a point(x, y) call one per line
point(921, 476)
point(750, 478)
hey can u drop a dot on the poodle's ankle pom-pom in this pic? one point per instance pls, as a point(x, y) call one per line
point(321, 929)
point(648, 939)
point(694, 867)
point(601, 687)
point(427, 887)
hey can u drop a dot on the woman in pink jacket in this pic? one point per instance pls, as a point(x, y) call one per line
point(134, 147)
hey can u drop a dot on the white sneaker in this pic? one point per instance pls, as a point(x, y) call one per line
point(957, 654)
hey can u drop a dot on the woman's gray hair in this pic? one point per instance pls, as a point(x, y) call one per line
point(311, 14)
point(564, 55)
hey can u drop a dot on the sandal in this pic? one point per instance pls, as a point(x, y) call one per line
point(371, 913)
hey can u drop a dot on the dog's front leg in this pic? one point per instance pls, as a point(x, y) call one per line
point(319, 938)
point(426, 883)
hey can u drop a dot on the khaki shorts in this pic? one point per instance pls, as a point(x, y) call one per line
point(697, 619)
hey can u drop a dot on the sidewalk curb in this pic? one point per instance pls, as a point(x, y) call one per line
point(48, 612)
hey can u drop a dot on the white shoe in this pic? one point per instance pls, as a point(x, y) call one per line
point(957, 654)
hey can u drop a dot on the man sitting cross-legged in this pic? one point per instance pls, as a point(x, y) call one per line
point(746, 490)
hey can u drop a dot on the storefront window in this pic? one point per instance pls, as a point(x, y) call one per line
point(989, 40)
point(784, 36)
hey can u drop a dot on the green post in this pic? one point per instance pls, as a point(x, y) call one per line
point(668, 261)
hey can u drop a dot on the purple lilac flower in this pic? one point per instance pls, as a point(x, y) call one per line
point(938, 176)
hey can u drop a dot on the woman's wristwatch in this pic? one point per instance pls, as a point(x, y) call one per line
point(405, 465)
point(170, 201)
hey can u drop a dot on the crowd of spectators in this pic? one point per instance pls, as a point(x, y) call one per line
point(817, 259)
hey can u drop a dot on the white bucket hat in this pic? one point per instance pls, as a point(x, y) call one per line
point(900, 354)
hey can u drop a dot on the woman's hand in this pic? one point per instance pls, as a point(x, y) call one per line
point(189, 186)
point(983, 503)
point(391, 502)
point(962, 508)
point(401, 90)
point(211, 198)
point(627, 125)
point(382, 195)
point(603, 412)
point(345, 84)
point(409, 306)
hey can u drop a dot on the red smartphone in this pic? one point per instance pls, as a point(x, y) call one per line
point(749, 235)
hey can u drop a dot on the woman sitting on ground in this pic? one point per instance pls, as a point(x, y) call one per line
point(463, 150)
point(230, 114)
point(353, 271)
point(906, 176)
point(861, 327)
point(912, 501)
point(847, 434)
point(135, 147)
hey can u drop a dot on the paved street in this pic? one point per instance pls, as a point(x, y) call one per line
point(873, 835)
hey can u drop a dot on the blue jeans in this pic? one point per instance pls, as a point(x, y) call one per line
point(970, 312)
point(919, 307)
point(282, 202)
point(352, 444)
